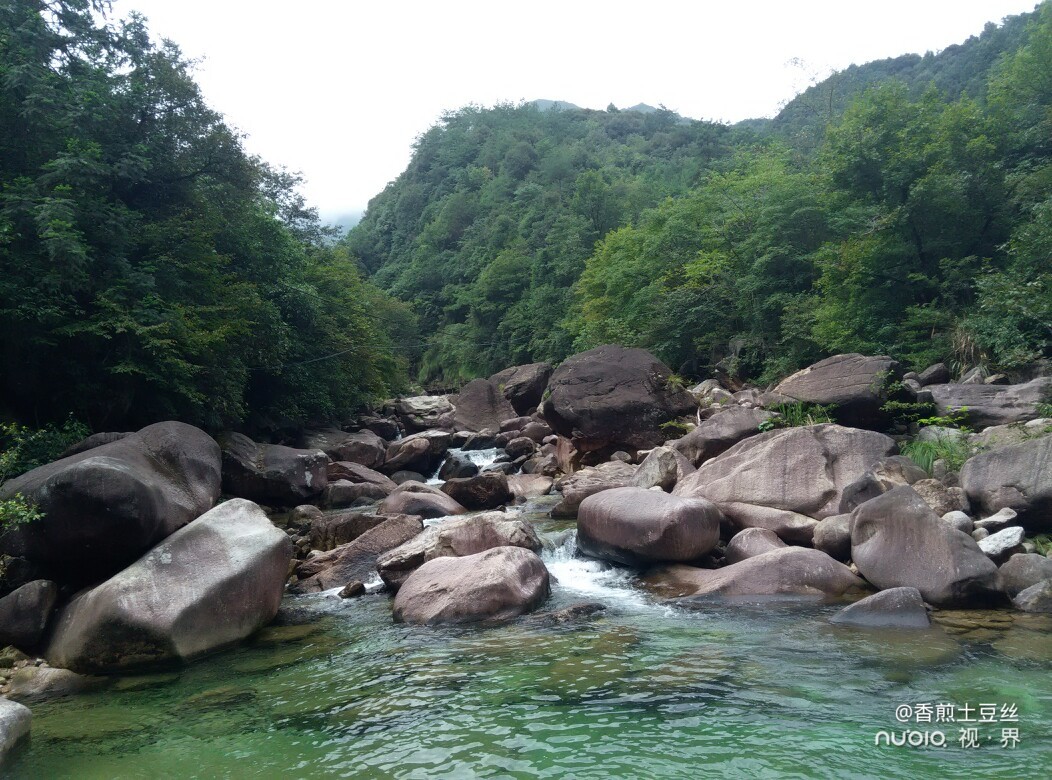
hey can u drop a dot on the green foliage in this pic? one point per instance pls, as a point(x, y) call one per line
point(1043, 543)
point(23, 449)
point(150, 267)
point(796, 415)
point(953, 450)
point(956, 418)
point(1044, 410)
point(17, 511)
point(674, 429)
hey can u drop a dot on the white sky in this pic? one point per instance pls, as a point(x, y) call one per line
point(339, 90)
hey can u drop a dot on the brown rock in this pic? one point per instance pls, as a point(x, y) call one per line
point(635, 526)
point(854, 385)
point(589, 481)
point(416, 498)
point(750, 543)
point(357, 560)
point(455, 539)
point(491, 586)
point(719, 433)
point(488, 490)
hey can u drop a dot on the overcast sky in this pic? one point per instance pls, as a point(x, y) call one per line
point(338, 90)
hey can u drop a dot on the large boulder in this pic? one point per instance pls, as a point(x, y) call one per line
point(636, 526)
point(272, 474)
point(491, 586)
point(833, 536)
point(1036, 598)
point(589, 481)
point(25, 612)
point(796, 571)
point(207, 586)
point(992, 404)
point(892, 608)
point(719, 433)
point(854, 385)
point(898, 541)
point(416, 498)
point(488, 490)
point(356, 560)
point(455, 539)
point(424, 412)
point(1023, 570)
point(363, 447)
point(663, 467)
point(786, 480)
point(479, 405)
point(611, 398)
point(15, 721)
point(1018, 477)
point(526, 486)
point(421, 452)
point(105, 507)
point(523, 386)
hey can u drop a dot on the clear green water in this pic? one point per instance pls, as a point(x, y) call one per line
point(644, 691)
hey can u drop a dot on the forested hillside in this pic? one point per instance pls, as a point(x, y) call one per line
point(918, 223)
point(151, 269)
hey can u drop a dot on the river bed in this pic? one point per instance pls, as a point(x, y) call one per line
point(643, 690)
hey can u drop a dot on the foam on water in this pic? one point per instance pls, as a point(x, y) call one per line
point(481, 458)
point(588, 577)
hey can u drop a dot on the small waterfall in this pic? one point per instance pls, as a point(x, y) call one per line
point(480, 458)
point(590, 578)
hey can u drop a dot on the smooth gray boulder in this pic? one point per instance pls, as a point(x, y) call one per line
point(786, 480)
point(892, 608)
point(24, 613)
point(272, 474)
point(719, 433)
point(635, 526)
point(833, 536)
point(105, 507)
point(455, 539)
point(491, 586)
point(612, 398)
point(663, 467)
point(1036, 598)
point(898, 541)
point(750, 543)
point(1023, 570)
point(15, 722)
point(1018, 477)
point(854, 385)
point(207, 586)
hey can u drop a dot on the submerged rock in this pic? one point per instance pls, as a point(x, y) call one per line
point(491, 586)
point(635, 526)
point(208, 585)
point(36, 683)
point(892, 608)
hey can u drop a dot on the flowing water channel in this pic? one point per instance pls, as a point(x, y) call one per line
point(643, 690)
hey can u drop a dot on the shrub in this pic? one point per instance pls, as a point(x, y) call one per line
point(23, 449)
point(797, 414)
point(924, 453)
